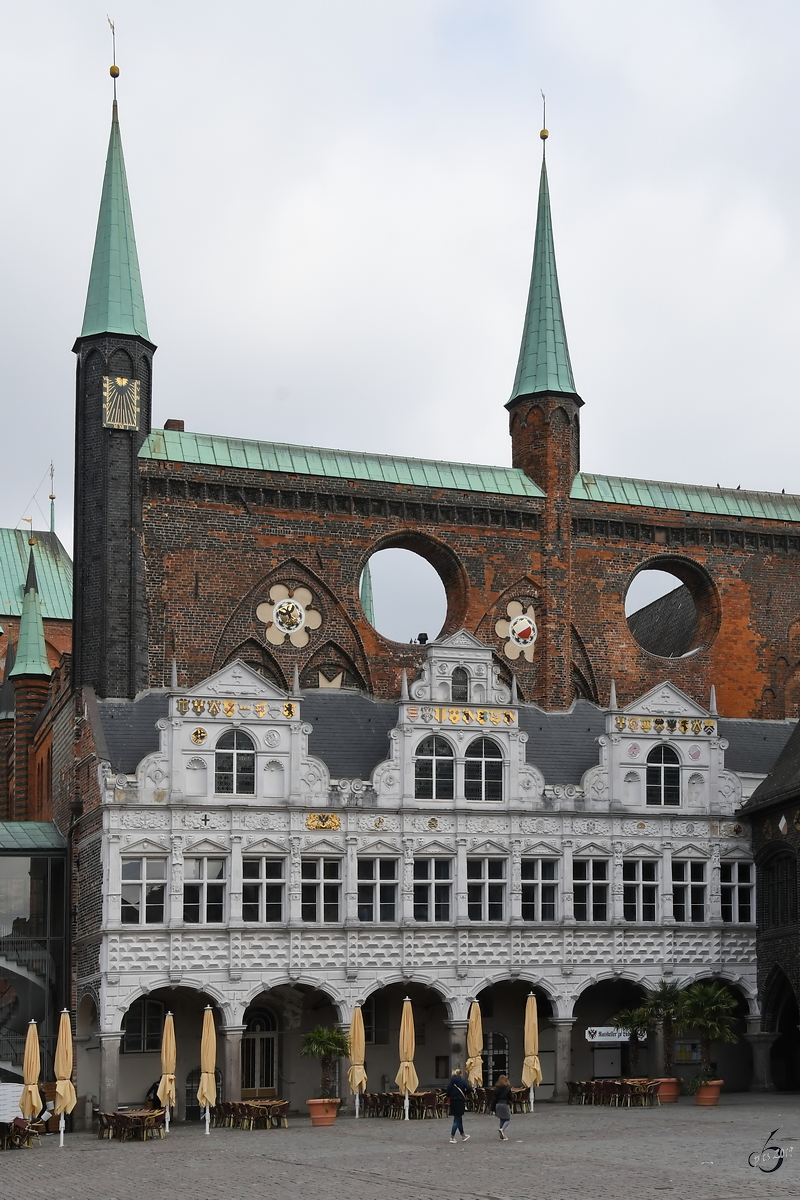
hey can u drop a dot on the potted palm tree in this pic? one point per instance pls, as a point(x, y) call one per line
point(638, 1023)
point(711, 1010)
point(664, 1006)
point(327, 1045)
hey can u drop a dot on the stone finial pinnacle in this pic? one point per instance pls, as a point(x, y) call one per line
point(404, 685)
point(612, 699)
point(712, 703)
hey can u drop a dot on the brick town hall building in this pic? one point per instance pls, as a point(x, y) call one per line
point(261, 803)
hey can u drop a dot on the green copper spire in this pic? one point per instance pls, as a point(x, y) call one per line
point(115, 302)
point(366, 595)
point(544, 364)
point(31, 658)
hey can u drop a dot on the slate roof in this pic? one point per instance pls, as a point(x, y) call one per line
point(350, 731)
point(129, 727)
point(684, 497)
point(30, 836)
point(172, 445)
point(668, 625)
point(563, 745)
point(754, 745)
point(783, 781)
point(53, 573)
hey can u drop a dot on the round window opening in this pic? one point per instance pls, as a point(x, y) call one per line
point(672, 608)
point(403, 596)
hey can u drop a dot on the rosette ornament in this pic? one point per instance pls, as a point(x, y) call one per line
point(519, 630)
point(287, 614)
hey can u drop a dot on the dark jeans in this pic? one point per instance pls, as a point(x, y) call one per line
point(458, 1124)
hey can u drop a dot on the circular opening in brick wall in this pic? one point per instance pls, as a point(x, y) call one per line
point(409, 601)
point(672, 607)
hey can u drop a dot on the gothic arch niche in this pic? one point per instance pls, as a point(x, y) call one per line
point(331, 667)
point(244, 627)
point(791, 704)
point(257, 657)
point(781, 1016)
point(583, 680)
point(121, 363)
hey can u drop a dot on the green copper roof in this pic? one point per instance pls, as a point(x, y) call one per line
point(544, 364)
point(31, 657)
point(681, 497)
point(172, 445)
point(53, 573)
point(115, 303)
point(30, 836)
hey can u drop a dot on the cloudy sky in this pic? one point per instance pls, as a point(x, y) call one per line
point(334, 207)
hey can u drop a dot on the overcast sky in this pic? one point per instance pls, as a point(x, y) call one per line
point(335, 203)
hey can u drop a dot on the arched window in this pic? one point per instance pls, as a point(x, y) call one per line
point(483, 771)
point(779, 898)
point(663, 776)
point(235, 765)
point(459, 692)
point(434, 770)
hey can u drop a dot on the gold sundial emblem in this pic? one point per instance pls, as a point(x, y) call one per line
point(120, 403)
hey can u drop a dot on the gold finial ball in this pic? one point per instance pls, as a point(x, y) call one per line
point(114, 71)
point(544, 135)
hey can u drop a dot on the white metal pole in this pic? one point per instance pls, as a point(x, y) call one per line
point(61, 1129)
point(208, 1120)
point(406, 1106)
point(166, 1119)
point(532, 1097)
point(358, 1093)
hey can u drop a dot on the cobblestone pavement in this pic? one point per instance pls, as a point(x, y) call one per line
point(558, 1153)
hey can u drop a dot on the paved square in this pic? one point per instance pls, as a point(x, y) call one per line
point(558, 1153)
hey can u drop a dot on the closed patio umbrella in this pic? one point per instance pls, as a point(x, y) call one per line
point(406, 1078)
point(357, 1075)
point(207, 1091)
point(65, 1091)
point(531, 1067)
point(166, 1087)
point(30, 1102)
point(475, 1046)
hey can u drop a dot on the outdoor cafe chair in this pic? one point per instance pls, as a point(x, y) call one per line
point(574, 1094)
point(651, 1093)
point(23, 1132)
point(427, 1105)
point(279, 1114)
point(520, 1100)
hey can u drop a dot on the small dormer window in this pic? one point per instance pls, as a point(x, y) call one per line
point(460, 687)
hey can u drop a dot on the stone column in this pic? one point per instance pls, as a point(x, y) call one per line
point(563, 1055)
point(235, 894)
point(232, 1061)
point(567, 894)
point(458, 1044)
point(109, 1070)
point(667, 915)
point(762, 1075)
point(461, 881)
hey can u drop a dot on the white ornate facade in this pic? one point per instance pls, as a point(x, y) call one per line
point(632, 891)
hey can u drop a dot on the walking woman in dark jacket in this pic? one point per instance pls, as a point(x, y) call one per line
point(457, 1090)
point(501, 1104)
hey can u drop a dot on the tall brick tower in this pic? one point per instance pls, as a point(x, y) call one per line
point(114, 377)
point(545, 444)
point(30, 679)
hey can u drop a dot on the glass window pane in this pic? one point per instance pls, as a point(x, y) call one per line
point(629, 870)
point(441, 893)
point(251, 868)
point(548, 903)
point(154, 904)
point(529, 868)
point(308, 868)
point(131, 868)
point(599, 869)
point(549, 870)
point(421, 868)
point(308, 902)
point(273, 868)
point(215, 868)
point(649, 871)
point(496, 868)
point(191, 903)
point(580, 869)
point(330, 902)
point(193, 868)
point(214, 899)
point(129, 904)
point(273, 902)
point(388, 868)
point(156, 868)
point(441, 868)
point(250, 901)
point(366, 868)
point(421, 902)
point(474, 868)
point(331, 868)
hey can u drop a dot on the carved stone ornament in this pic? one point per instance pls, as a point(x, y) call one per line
point(323, 821)
point(287, 614)
point(519, 630)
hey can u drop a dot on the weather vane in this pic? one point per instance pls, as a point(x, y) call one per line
point(114, 71)
point(543, 134)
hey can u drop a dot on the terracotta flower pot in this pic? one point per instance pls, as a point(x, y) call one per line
point(668, 1090)
point(708, 1093)
point(323, 1112)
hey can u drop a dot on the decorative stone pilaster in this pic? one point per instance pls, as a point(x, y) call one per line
point(563, 1055)
point(762, 1075)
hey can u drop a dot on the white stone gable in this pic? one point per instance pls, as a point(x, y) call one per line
point(239, 680)
point(666, 700)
